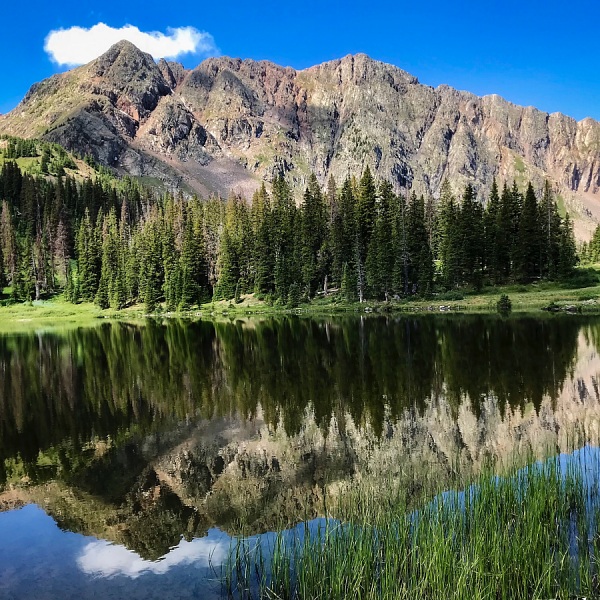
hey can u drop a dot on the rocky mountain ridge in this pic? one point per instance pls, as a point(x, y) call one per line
point(230, 123)
point(229, 470)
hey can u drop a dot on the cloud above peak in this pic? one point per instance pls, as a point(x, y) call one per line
point(78, 45)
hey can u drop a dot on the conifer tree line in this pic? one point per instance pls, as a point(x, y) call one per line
point(54, 159)
point(121, 244)
point(590, 251)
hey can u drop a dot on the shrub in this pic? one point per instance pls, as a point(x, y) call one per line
point(504, 305)
point(294, 296)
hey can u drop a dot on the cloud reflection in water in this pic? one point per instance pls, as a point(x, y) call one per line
point(103, 559)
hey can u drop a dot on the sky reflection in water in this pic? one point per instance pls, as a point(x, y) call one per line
point(39, 560)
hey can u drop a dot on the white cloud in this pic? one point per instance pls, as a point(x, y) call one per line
point(77, 45)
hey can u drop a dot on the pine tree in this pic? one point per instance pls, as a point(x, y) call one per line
point(348, 284)
point(293, 300)
point(400, 270)
point(210, 223)
point(173, 289)
point(8, 242)
point(284, 222)
point(60, 249)
point(132, 268)
point(448, 236)
point(151, 267)
point(471, 239)
point(228, 269)
point(244, 244)
point(3, 280)
point(43, 275)
point(491, 235)
point(45, 162)
point(527, 248)
point(380, 255)
point(584, 253)
point(507, 228)
point(29, 201)
point(194, 281)
point(594, 246)
point(24, 283)
point(170, 257)
point(568, 252)
point(12, 181)
point(365, 222)
point(420, 271)
point(71, 286)
point(101, 297)
point(88, 260)
point(343, 232)
point(550, 223)
point(313, 223)
point(431, 224)
point(264, 256)
point(516, 209)
point(111, 287)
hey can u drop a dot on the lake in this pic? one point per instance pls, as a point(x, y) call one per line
point(132, 455)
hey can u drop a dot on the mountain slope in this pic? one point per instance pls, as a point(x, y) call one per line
point(230, 123)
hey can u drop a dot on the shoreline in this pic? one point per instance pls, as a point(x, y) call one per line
point(56, 313)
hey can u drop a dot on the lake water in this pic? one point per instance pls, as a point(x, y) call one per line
point(132, 455)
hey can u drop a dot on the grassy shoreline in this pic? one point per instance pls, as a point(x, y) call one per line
point(532, 533)
point(531, 298)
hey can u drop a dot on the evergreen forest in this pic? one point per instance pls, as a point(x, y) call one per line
point(117, 243)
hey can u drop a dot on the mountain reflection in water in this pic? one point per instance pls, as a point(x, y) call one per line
point(151, 436)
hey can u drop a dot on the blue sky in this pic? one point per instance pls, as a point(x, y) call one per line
point(544, 54)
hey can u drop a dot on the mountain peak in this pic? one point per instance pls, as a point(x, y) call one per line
point(121, 60)
point(362, 66)
point(126, 49)
point(255, 119)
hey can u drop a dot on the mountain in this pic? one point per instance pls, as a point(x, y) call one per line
point(230, 123)
point(234, 472)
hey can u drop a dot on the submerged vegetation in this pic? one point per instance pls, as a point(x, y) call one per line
point(532, 534)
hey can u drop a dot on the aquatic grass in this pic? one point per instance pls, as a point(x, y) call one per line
point(530, 534)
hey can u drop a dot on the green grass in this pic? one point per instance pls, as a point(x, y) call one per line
point(54, 313)
point(582, 292)
point(519, 165)
point(531, 534)
point(29, 164)
point(560, 203)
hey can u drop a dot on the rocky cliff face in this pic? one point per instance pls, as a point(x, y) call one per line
point(231, 123)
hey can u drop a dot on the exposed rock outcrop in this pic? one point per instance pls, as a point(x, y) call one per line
point(332, 119)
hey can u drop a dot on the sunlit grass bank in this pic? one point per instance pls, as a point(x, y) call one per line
point(532, 534)
point(582, 294)
point(55, 313)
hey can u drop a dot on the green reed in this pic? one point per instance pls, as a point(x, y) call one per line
point(531, 534)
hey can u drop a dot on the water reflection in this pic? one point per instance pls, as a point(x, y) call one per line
point(151, 435)
point(111, 380)
point(38, 560)
point(103, 559)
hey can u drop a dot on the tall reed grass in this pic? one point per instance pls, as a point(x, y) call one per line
point(531, 534)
